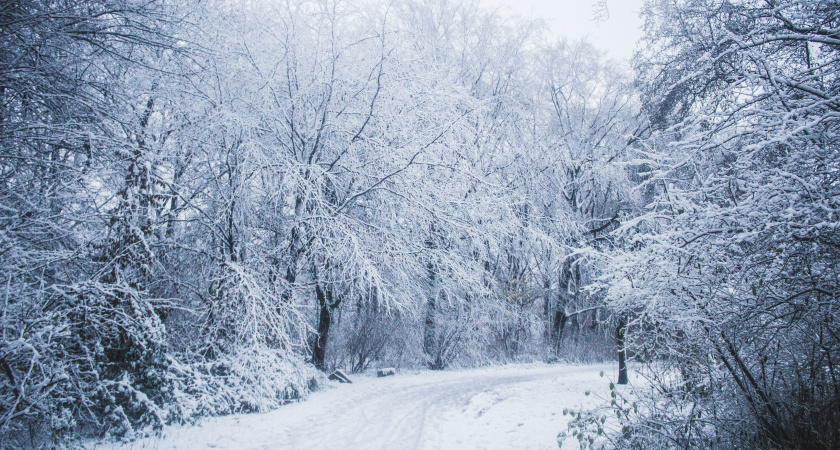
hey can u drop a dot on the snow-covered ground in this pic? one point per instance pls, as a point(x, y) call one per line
point(506, 407)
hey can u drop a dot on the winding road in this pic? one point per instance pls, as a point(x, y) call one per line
point(514, 406)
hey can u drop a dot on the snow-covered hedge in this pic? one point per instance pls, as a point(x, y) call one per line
point(247, 380)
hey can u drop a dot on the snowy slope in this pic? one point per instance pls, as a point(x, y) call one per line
point(515, 406)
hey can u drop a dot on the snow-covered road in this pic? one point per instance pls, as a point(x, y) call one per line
point(507, 407)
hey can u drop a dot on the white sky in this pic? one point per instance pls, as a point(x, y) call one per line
point(574, 19)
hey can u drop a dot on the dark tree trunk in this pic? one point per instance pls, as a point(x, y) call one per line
point(319, 350)
point(622, 351)
point(430, 333)
point(560, 319)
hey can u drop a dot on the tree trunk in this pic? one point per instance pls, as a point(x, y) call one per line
point(430, 333)
point(560, 319)
point(319, 350)
point(622, 351)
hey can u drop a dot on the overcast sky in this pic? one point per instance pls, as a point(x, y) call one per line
point(574, 19)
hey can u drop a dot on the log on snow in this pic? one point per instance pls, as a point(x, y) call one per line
point(339, 376)
point(388, 371)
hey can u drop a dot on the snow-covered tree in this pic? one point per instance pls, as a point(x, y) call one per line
point(82, 340)
point(594, 120)
point(730, 279)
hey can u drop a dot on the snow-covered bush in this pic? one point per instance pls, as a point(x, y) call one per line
point(252, 379)
point(89, 358)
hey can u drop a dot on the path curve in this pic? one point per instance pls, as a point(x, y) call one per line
point(515, 406)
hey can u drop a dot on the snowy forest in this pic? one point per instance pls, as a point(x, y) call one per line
point(206, 206)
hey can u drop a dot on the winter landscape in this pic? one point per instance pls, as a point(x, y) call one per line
point(211, 210)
